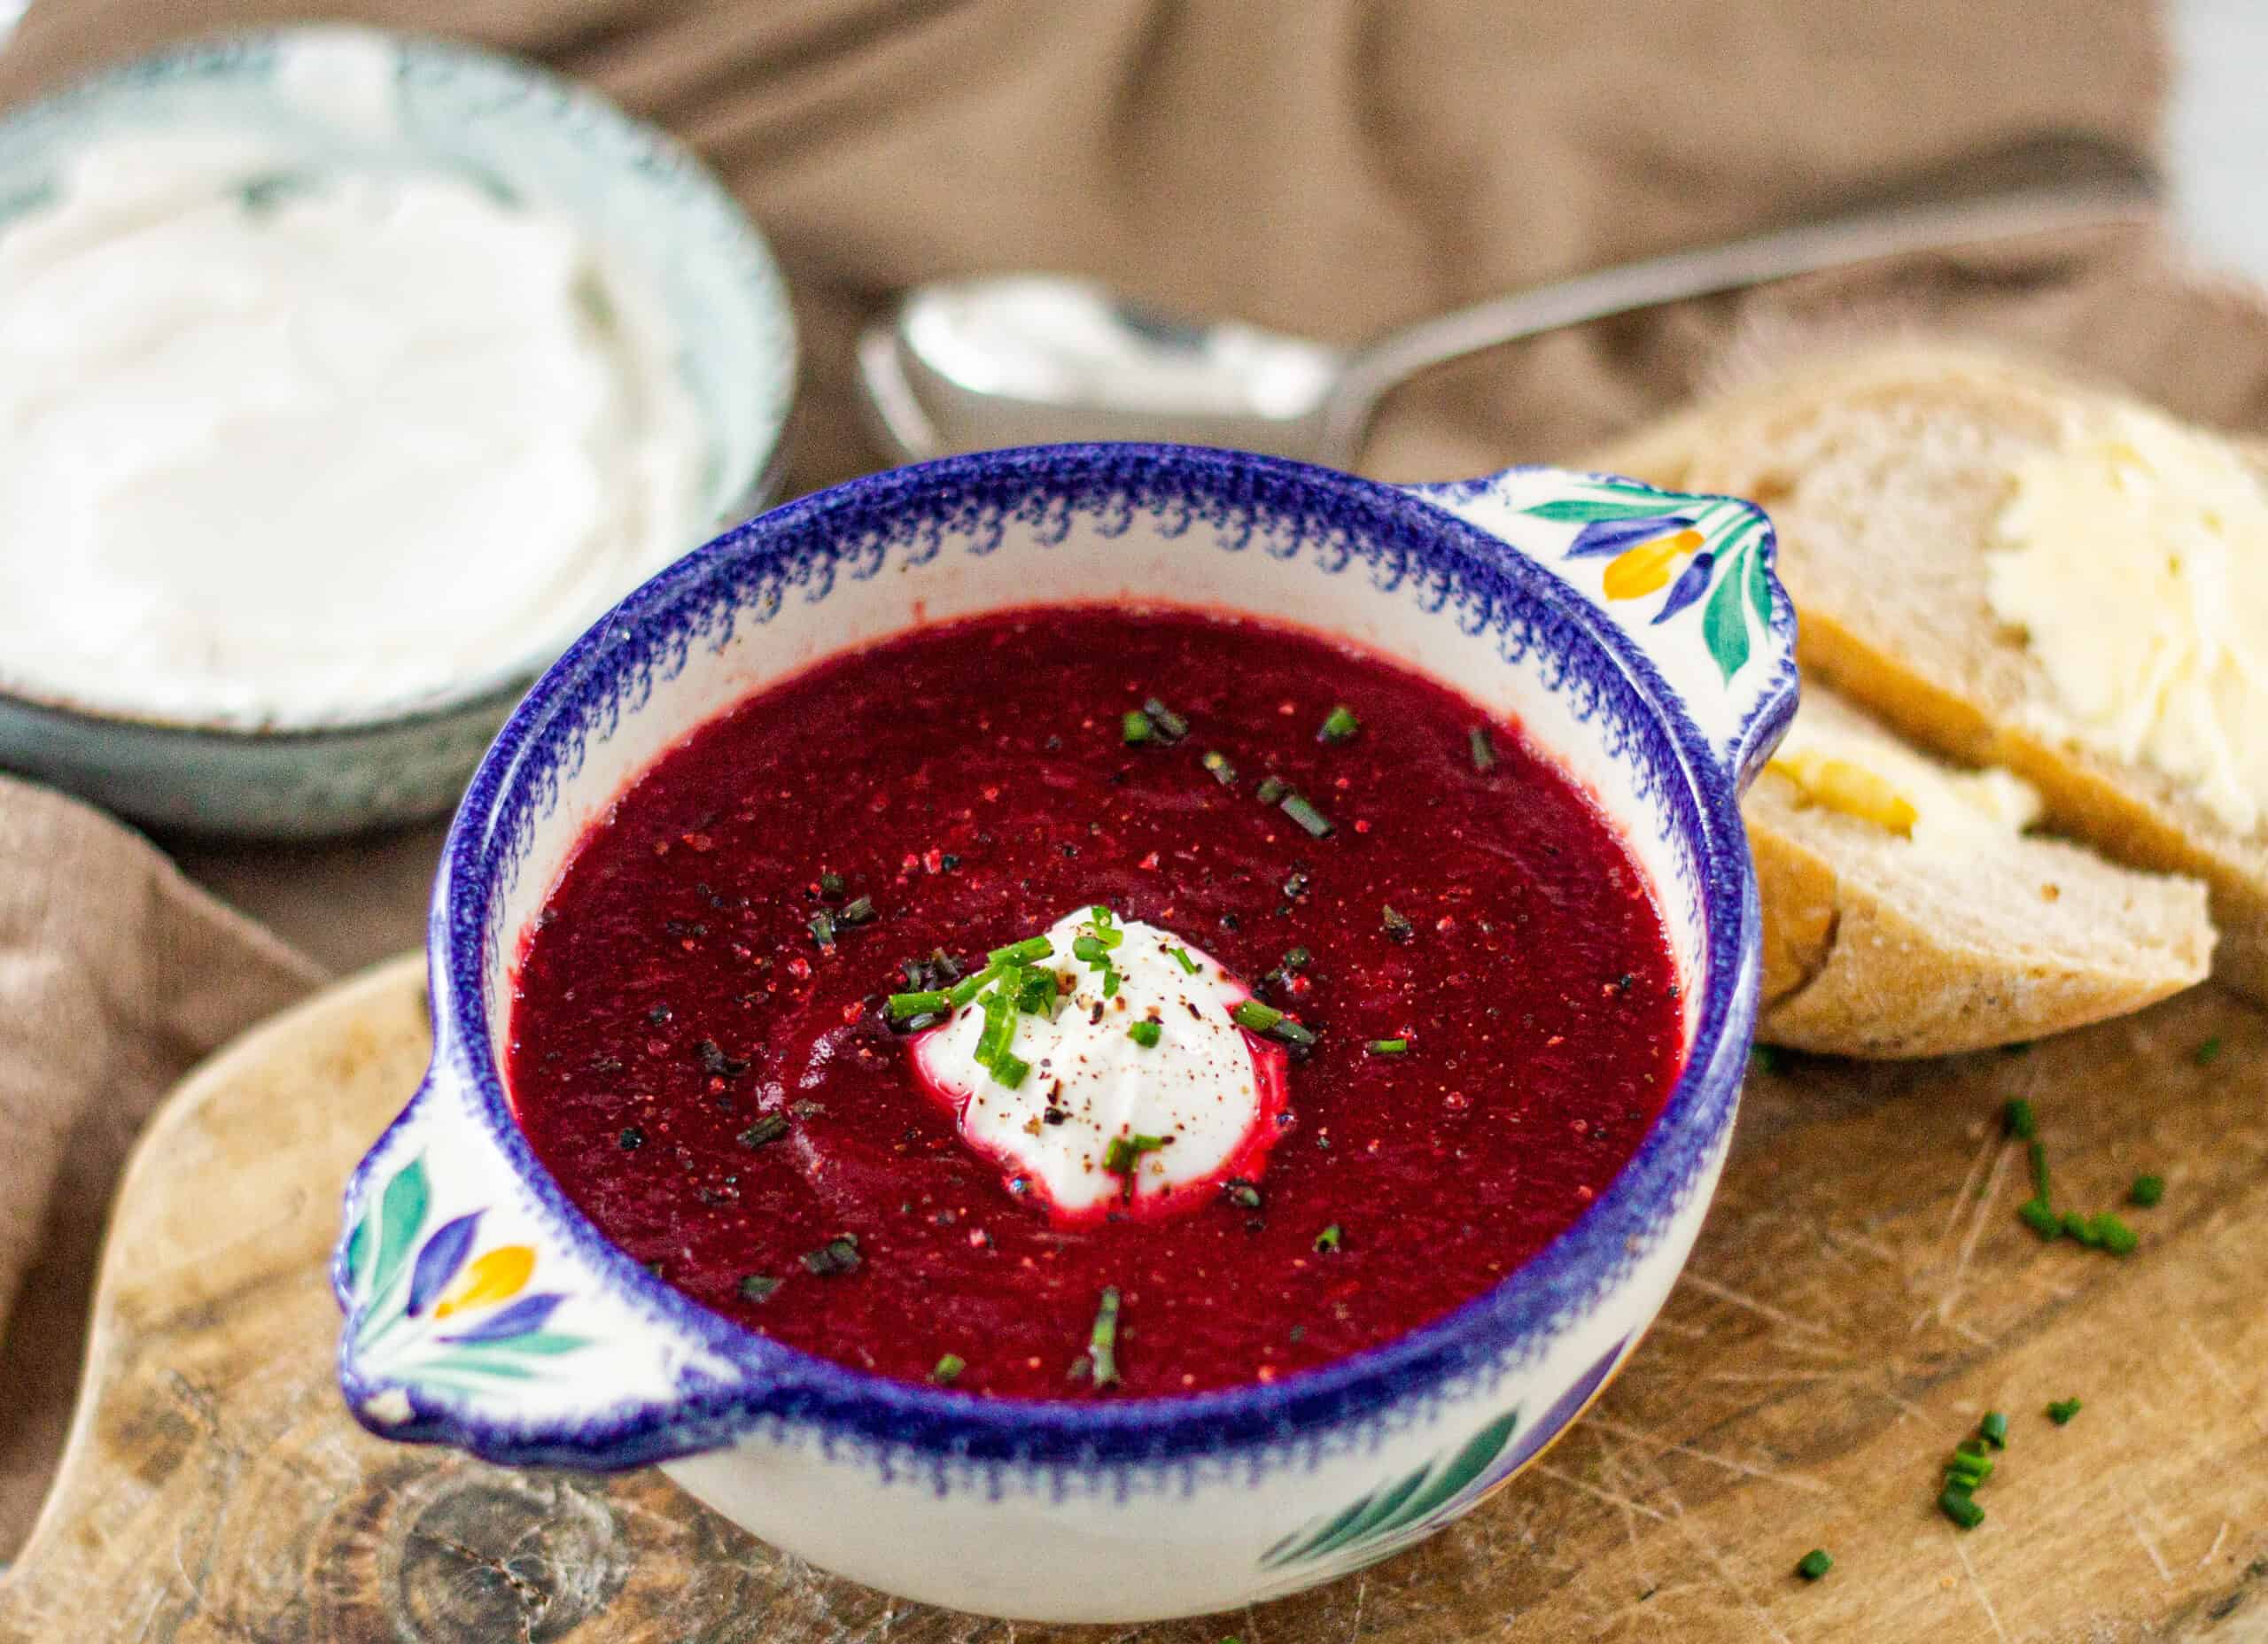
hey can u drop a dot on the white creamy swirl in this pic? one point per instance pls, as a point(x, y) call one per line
point(1205, 1093)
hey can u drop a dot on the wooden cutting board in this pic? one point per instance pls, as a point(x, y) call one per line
point(1863, 1291)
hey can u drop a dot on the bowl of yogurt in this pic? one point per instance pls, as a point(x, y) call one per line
point(343, 377)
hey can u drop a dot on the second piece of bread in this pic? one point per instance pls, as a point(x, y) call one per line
point(1907, 912)
point(1885, 471)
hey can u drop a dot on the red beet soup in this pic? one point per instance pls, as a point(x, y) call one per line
point(1094, 1002)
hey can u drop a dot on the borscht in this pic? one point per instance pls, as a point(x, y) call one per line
point(1094, 1002)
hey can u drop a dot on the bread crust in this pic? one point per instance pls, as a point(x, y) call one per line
point(1744, 443)
point(1855, 964)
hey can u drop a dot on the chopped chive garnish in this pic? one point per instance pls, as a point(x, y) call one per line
point(1271, 788)
point(1814, 1563)
point(999, 1030)
point(1135, 727)
point(1123, 1152)
point(1170, 725)
point(2040, 1219)
point(2207, 1054)
point(962, 991)
point(764, 1131)
point(1102, 1341)
point(904, 1005)
point(1224, 772)
point(1329, 1239)
point(948, 1370)
point(758, 1286)
point(1036, 995)
point(1297, 1035)
point(937, 971)
point(2146, 1191)
point(2080, 1228)
point(1091, 947)
point(712, 1058)
point(1181, 957)
point(856, 912)
point(2018, 1120)
point(1961, 1509)
point(2036, 1153)
point(1338, 726)
point(822, 924)
point(1970, 1464)
point(839, 1254)
point(1396, 927)
point(1295, 959)
point(2062, 1410)
point(1266, 1019)
point(1009, 1069)
point(1971, 1470)
point(1243, 1194)
point(1484, 748)
point(831, 884)
point(1306, 814)
point(1144, 1034)
point(2112, 1234)
point(1387, 1047)
point(1021, 952)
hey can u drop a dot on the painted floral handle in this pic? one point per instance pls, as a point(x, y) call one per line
point(477, 1316)
point(1688, 578)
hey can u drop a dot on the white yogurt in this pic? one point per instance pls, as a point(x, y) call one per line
point(1203, 1090)
point(292, 449)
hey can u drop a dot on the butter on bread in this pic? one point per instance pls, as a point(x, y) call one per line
point(1908, 911)
point(1937, 504)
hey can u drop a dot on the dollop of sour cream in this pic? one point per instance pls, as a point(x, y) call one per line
point(1183, 1116)
point(284, 446)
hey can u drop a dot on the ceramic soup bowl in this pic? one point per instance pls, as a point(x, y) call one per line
point(1638, 635)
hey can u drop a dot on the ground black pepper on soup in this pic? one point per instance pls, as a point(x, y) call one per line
point(1094, 1002)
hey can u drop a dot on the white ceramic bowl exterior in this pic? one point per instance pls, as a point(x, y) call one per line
point(1638, 635)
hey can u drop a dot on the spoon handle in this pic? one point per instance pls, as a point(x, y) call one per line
point(2109, 187)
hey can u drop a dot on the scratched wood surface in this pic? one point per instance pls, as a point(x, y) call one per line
point(1861, 1294)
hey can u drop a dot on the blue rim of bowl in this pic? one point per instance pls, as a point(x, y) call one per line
point(1515, 1320)
point(765, 283)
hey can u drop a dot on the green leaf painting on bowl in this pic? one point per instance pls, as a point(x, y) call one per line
point(1707, 551)
point(1401, 1512)
point(426, 1304)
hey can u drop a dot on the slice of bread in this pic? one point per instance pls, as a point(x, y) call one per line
point(1892, 932)
point(1886, 470)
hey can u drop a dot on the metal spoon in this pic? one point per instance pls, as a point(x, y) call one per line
point(1022, 358)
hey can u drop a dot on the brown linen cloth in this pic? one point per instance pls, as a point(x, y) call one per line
point(1331, 167)
point(116, 974)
